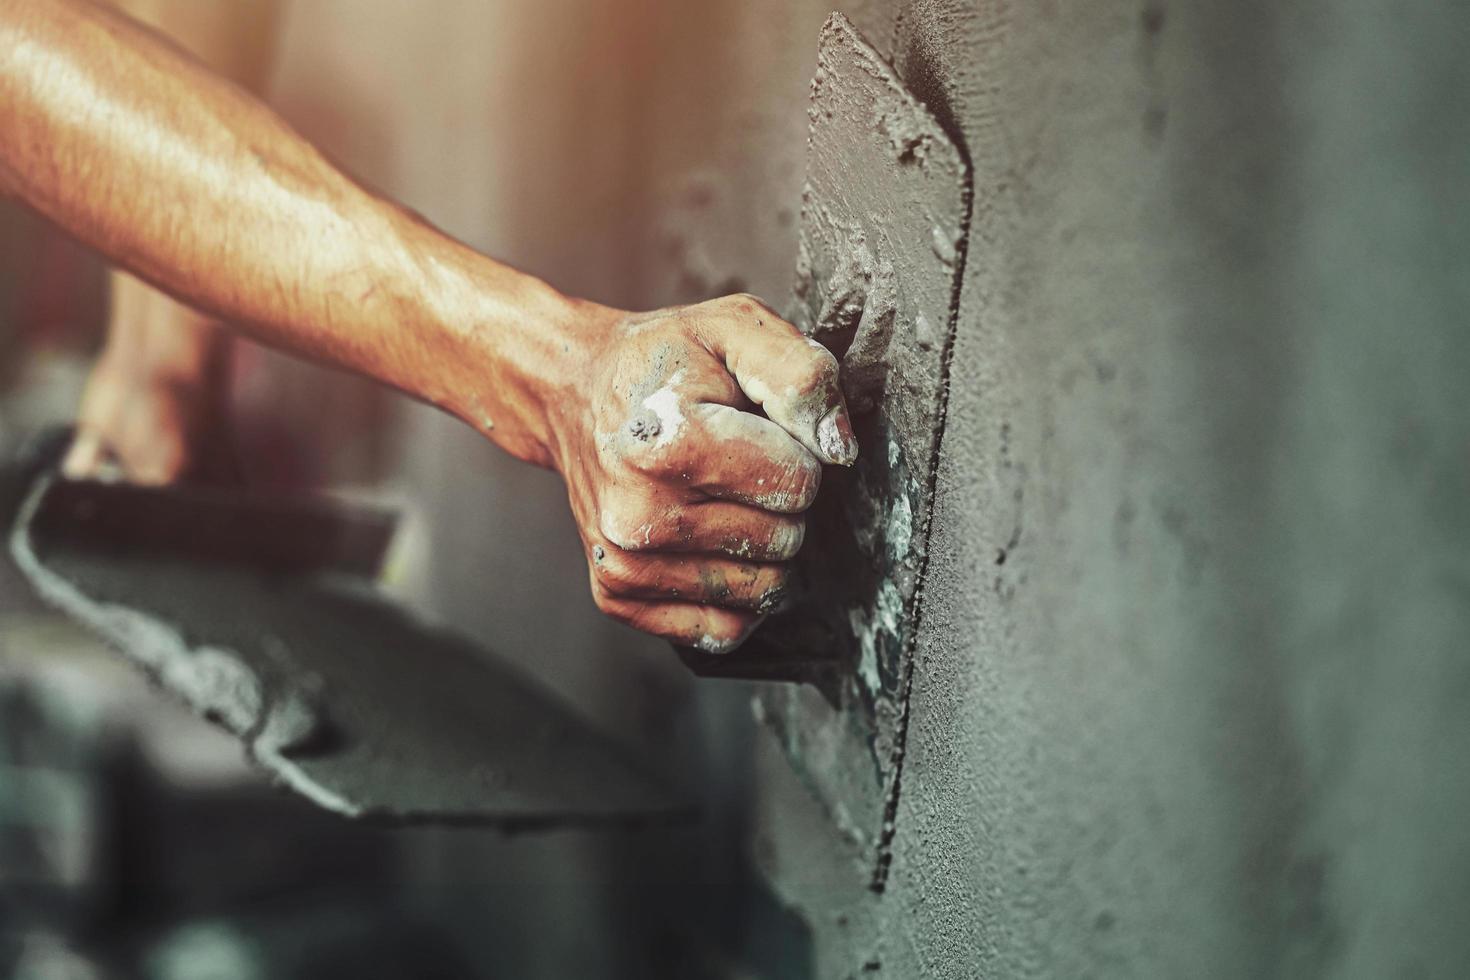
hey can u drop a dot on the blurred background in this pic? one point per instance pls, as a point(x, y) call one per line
point(1192, 681)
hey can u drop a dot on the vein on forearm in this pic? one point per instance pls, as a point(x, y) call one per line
point(191, 184)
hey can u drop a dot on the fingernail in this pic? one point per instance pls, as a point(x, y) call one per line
point(776, 600)
point(712, 644)
point(786, 540)
point(835, 438)
point(110, 470)
point(721, 645)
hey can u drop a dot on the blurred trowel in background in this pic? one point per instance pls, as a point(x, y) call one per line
point(266, 531)
point(260, 612)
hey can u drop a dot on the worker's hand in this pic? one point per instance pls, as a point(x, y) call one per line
point(149, 429)
point(155, 408)
point(697, 443)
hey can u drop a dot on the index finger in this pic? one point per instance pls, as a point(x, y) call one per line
point(752, 460)
point(793, 379)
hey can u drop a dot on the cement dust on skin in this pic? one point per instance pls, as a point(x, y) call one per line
point(664, 406)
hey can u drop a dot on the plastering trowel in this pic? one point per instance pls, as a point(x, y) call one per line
point(884, 225)
point(260, 612)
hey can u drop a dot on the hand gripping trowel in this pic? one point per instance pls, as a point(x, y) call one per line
point(884, 220)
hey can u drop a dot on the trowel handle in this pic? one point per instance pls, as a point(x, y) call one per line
point(762, 660)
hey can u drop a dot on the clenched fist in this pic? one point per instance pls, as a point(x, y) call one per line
point(689, 457)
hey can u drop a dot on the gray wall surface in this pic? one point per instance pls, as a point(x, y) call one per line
point(1192, 686)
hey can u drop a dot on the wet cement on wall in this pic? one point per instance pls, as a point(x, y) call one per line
point(1189, 696)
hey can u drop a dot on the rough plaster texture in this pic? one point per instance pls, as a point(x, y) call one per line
point(885, 204)
point(1190, 693)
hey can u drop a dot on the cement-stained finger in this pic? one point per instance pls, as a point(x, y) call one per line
point(750, 459)
point(708, 527)
point(708, 628)
point(703, 579)
point(794, 380)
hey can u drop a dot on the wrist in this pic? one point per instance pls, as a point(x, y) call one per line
point(524, 353)
point(578, 332)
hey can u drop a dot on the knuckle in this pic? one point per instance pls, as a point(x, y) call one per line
point(624, 614)
point(663, 460)
point(625, 527)
point(611, 527)
point(676, 527)
point(748, 305)
point(168, 459)
point(760, 586)
point(797, 484)
point(659, 442)
point(715, 585)
point(606, 604)
point(820, 369)
point(620, 610)
point(642, 617)
point(615, 572)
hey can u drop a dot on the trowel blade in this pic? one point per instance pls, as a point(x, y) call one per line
point(884, 237)
point(342, 695)
point(884, 233)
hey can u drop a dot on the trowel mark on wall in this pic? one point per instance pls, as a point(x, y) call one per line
point(884, 216)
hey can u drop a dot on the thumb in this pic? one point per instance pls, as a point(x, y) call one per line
point(794, 380)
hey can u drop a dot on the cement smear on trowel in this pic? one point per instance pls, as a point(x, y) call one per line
point(341, 695)
point(884, 214)
point(271, 718)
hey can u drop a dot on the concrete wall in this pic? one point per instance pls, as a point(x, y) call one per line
point(1191, 696)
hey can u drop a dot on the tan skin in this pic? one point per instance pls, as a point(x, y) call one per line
point(687, 498)
point(156, 406)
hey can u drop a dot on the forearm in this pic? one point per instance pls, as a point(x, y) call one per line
point(199, 189)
